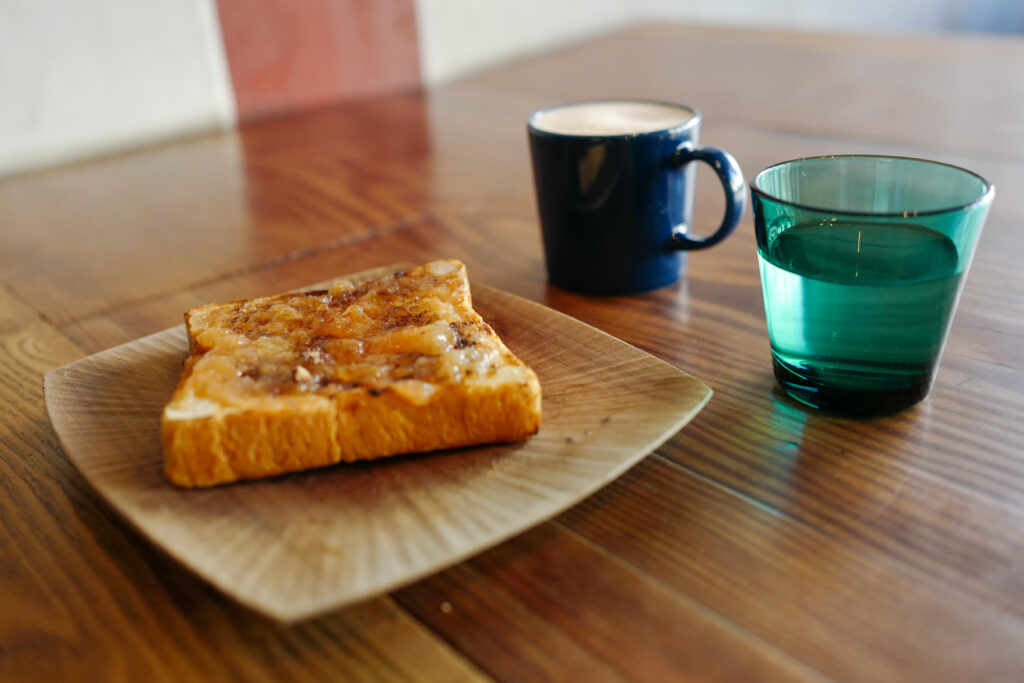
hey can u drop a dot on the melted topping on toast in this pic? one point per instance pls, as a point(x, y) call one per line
point(408, 334)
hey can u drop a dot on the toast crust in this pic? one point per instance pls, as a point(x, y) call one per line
point(295, 381)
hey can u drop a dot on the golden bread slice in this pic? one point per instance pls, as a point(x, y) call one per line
point(283, 383)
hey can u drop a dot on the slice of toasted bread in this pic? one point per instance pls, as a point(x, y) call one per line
point(289, 382)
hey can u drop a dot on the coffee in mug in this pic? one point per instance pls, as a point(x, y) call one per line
point(611, 118)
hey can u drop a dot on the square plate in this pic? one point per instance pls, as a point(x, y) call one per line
point(299, 545)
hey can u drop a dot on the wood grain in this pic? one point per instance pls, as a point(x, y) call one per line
point(803, 587)
point(231, 210)
point(765, 542)
point(568, 605)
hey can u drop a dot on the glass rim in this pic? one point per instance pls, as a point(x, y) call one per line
point(694, 120)
point(986, 195)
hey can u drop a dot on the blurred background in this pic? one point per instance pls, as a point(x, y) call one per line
point(79, 79)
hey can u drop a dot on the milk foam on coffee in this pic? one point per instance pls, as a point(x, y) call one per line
point(611, 118)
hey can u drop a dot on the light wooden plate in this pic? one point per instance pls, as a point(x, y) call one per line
point(303, 544)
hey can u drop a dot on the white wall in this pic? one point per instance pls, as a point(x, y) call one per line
point(82, 77)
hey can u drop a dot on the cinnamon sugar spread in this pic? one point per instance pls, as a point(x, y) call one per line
point(407, 336)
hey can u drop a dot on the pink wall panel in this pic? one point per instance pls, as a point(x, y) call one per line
point(288, 54)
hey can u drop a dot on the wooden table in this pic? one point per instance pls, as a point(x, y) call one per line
point(763, 542)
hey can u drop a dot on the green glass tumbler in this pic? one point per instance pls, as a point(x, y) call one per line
point(862, 262)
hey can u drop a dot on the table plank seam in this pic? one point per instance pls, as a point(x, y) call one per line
point(771, 650)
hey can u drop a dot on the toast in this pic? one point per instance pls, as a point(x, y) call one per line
point(284, 383)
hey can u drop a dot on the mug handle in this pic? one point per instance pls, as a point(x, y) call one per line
point(728, 171)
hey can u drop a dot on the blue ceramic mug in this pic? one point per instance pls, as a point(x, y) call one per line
point(615, 188)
